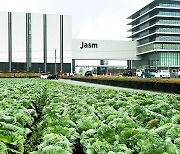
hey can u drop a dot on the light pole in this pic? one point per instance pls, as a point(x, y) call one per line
point(55, 67)
point(168, 61)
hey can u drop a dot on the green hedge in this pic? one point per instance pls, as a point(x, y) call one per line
point(161, 85)
point(19, 75)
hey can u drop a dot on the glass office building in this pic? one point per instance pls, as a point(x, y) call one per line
point(156, 28)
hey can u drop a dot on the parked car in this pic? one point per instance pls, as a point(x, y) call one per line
point(175, 73)
point(148, 74)
point(179, 73)
point(139, 72)
point(127, 73)
point(88, 73)
point(162, 74)
point(44, 76)
point(53, 76)
point(49, 76)
point(71, 74)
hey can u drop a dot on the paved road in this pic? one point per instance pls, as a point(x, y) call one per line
point(78, 83)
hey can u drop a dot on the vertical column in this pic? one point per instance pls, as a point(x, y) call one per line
point(28, 41)
point(73, 65)
point(129, 64)
point(10, 40)
point(61, 42)
point(45, 41)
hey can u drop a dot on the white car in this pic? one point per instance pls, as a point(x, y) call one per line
point(44, 76)
point(179, 72)
point(139, 73)
point(162, 74)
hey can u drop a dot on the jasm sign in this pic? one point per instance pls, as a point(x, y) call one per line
point(88, 45)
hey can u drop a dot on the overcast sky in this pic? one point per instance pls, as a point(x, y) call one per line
point(91, 19)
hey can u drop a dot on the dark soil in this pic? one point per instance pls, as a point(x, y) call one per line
point(35, 137)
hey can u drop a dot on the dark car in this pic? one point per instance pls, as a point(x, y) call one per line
point(127, 73)
point(53, 76)
point(88, 73)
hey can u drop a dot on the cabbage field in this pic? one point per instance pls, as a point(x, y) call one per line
point(47, 117)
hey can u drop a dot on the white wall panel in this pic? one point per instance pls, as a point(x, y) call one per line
point(53, 38)
point(3, 36)
point(67, 38)
point(37, 37)
point(18, 37)
point(106, 49)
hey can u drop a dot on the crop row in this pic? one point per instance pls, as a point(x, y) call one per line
point(73, 119)
point(109, 122)
point(18, 100)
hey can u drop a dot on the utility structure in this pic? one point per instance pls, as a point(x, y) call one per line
point(28, 41)
point(45, 41)
point(55, 66)
point(10, 40)
point(61, 43)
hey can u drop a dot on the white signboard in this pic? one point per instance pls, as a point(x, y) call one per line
point(104, 49)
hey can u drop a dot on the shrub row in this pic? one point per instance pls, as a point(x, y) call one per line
point(19, 75)
point(170, 86)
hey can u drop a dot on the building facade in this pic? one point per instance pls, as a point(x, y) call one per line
point(156, 28)
point(35, 42)
point(43, 42)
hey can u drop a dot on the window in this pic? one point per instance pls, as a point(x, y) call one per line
point(170, 30)
point(169, 5)
point(167, 38)
point(169, 58)
point(169, 13)
point(168, 21)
